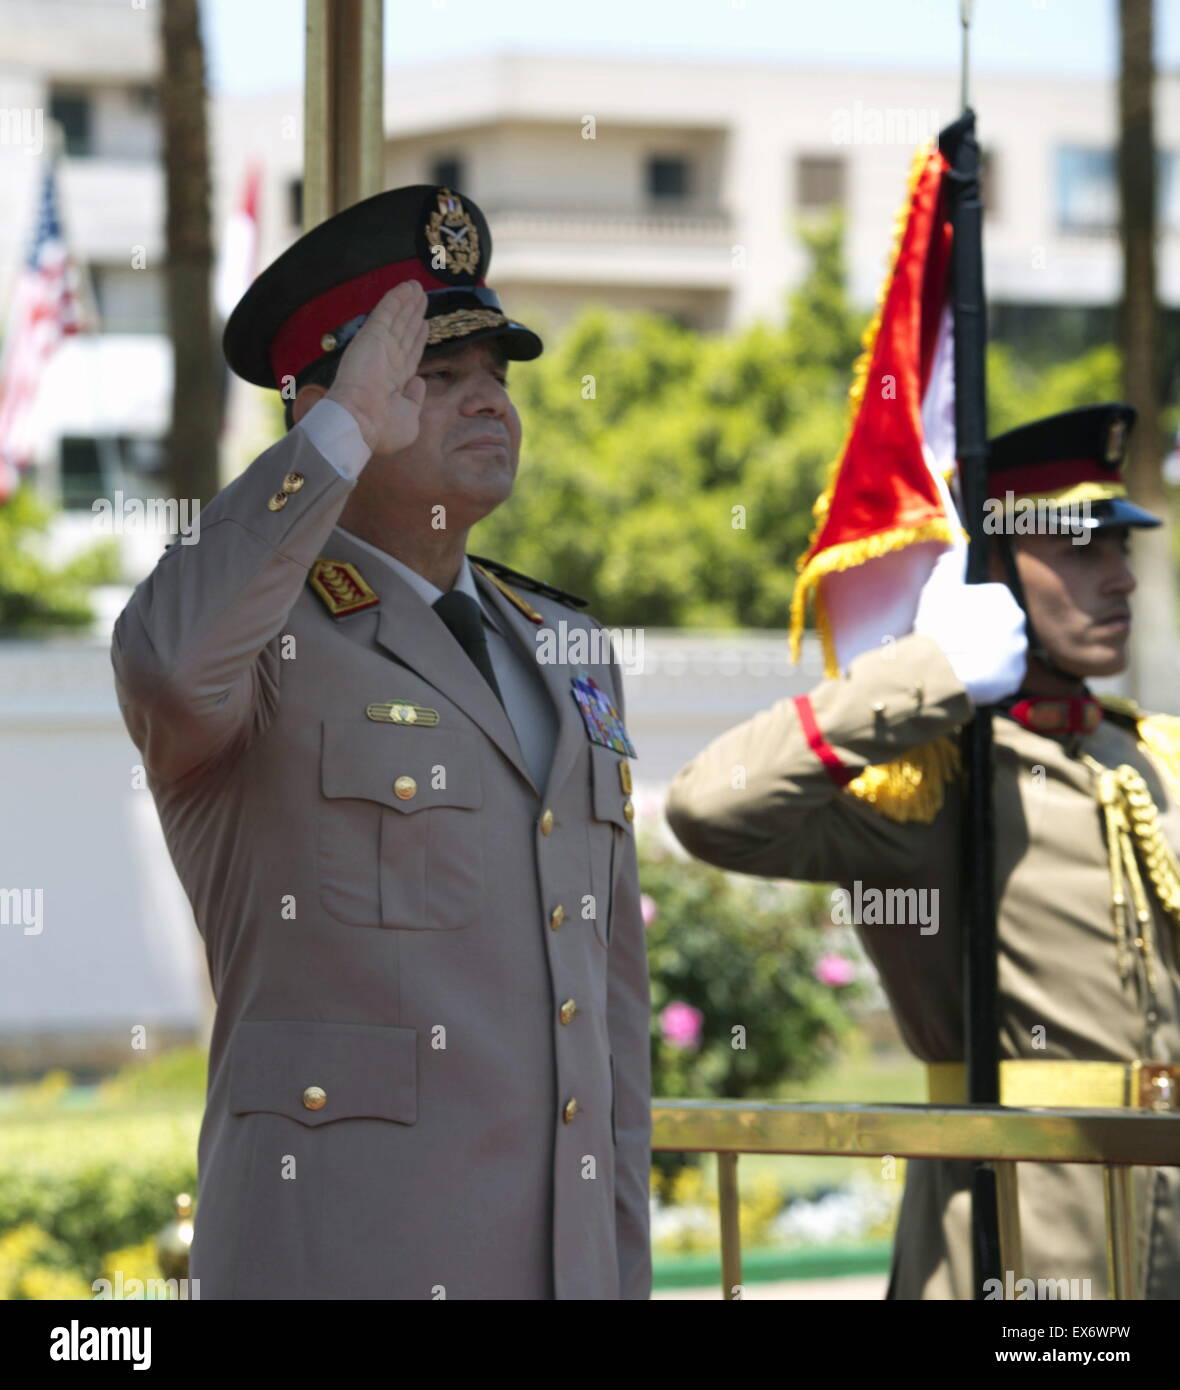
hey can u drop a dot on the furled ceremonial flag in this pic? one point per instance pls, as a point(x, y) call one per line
point(44, 309)
point(887, 513)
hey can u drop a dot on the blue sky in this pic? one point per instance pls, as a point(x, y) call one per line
point(257, 46)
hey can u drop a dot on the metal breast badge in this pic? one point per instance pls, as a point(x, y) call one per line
point(401, 712)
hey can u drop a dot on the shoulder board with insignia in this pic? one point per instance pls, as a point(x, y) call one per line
point(526, 582)
point(912, 787)
point(341, 587)
point(1118, 707)
point(512, 596)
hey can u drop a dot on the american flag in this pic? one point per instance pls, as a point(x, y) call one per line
point(44, 309)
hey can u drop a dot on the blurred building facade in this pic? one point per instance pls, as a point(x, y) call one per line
point(678, 187)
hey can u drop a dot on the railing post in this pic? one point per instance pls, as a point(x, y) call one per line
point(1008, 1201)
point(731, 1226)
point(1120, 1240)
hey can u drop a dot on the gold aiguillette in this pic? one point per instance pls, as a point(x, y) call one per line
point(401, 712)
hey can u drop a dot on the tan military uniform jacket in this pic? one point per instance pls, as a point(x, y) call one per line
point(1061, 993)
point(429, 1070)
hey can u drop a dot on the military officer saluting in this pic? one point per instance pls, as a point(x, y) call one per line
point(408, 845)
point(858, 783)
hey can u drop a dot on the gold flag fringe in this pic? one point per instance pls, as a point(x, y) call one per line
point(848, 555)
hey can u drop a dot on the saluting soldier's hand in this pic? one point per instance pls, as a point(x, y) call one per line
point(980, 628)
point(376, 380)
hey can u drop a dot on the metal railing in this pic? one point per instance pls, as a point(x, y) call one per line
point(1004, 1135)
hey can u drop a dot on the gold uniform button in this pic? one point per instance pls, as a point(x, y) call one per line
point(625, 777)
point(328, 342)
point(404, 788)
point(315, 1098)
point(568, 1009)
point(629, 809)
point(293, 482)
point(571, 1109)
point(546, 822)
point(557, 916)
point(277, 502)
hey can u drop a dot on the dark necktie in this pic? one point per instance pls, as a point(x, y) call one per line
point(463, 617)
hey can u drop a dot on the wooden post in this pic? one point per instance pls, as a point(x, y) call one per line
point(1153, 663)
point(343, 107)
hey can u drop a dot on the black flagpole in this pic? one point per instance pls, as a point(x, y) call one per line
point(981, 1018)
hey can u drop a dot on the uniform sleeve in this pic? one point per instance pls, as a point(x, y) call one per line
point(629, 1024)
point(768, 797)
point(195, 651)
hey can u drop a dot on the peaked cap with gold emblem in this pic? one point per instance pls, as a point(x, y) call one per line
point(1075, 456)
point(310, 302)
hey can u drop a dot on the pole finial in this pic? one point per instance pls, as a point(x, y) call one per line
point(965, 8)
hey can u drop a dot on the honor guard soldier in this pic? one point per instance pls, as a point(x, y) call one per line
point(858, 783)
point(408, 843)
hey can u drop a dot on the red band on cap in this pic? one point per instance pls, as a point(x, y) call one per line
point(819, 745)
point(1048, 477)
point(297, 344)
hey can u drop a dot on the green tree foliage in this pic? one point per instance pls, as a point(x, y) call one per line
point(1018, 392)
point(669, 477)
point(36, 596)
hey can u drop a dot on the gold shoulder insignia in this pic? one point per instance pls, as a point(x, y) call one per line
point(341, 587)
point(912, 787)
point(1160, 735)
point(511, 595)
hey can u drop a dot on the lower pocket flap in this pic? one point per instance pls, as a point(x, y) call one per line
point(319, 1072)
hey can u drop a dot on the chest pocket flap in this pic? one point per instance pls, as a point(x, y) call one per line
point(611, 776)
point(401, 834)
point(379, 762)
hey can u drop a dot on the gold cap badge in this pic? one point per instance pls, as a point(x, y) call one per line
point(452, 236)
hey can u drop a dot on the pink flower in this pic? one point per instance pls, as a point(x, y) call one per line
point(835, 970)
point(681, 1024)
point(648, 909)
